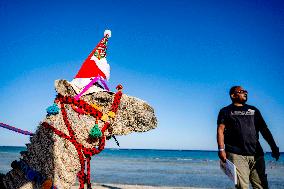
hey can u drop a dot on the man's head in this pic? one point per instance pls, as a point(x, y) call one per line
point(238, 94)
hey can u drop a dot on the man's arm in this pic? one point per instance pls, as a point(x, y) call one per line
point(265, 132)
point(220, 141)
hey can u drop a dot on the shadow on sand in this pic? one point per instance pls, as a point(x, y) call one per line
point(110, 187)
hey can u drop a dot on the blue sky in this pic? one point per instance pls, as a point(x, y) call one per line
point(180, 56)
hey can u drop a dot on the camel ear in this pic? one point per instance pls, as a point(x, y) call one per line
point(64, 88)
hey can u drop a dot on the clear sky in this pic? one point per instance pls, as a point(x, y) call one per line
point(180, 56)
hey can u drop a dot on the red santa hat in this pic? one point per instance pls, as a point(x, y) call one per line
point(94, 66)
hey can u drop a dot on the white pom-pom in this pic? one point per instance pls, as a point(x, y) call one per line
point(107, 32)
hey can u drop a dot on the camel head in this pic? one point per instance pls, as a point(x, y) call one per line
point(133, 114)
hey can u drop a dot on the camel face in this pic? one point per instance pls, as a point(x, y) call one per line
point(133, 114)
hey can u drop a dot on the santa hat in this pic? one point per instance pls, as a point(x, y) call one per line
point(95, 66)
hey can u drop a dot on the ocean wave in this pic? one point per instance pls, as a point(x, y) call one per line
point(184, 159)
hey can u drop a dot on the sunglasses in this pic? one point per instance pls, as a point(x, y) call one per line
point(242, 92)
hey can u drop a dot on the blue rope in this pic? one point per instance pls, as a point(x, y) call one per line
point(16, 129)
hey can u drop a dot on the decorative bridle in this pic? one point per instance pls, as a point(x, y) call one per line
point(91, 110)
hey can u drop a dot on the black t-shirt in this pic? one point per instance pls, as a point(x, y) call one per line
point(242, 126)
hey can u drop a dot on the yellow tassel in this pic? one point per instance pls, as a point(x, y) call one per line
point(111, 114)
point(104, 118)
point(97, 107)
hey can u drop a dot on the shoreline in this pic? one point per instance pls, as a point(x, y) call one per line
point(132, 186)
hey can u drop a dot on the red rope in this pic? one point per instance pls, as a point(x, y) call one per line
point(81, 150)
point(88, 172)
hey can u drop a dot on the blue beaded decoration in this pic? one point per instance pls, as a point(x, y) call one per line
point(52, 110)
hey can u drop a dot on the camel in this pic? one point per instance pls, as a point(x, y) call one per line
point(55, 154)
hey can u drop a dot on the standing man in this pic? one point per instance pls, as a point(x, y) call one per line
point(238, 130)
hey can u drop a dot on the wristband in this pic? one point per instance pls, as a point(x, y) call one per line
point(221, 149)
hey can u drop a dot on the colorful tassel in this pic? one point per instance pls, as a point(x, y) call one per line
point(52, 110)
point(96, 132)
point(47, 184)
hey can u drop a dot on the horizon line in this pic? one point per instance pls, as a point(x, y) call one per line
point(117, 148)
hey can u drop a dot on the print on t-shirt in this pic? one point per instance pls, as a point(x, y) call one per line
point(249, 112)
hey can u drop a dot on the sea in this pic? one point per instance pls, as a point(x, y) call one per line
point(176, 168)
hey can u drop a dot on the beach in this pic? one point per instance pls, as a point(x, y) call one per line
point(165, 169)
point(124, 186)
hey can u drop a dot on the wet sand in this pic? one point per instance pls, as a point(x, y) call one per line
point(124, 186)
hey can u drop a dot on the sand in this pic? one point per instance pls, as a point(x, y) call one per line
point(124, 186)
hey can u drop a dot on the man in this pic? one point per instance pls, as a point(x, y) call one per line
point(238, 130)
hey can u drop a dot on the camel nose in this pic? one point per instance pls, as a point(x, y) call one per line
point(146, 119)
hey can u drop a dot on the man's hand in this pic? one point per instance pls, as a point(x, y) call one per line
point(222, 155)
point(275, 153)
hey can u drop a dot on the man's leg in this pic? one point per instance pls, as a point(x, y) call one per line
point(258, 177)
point(243, 170)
